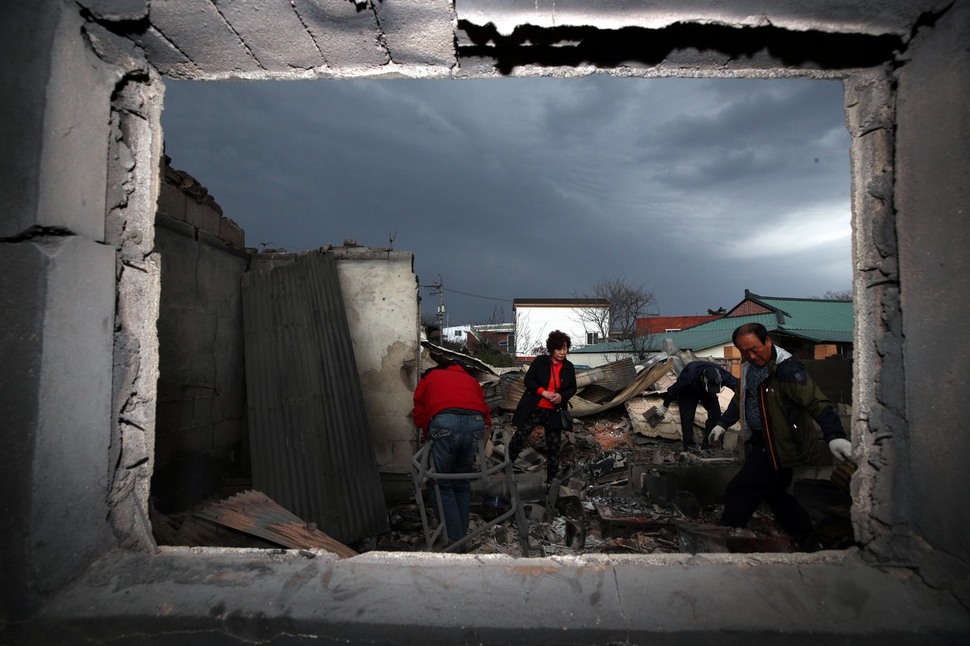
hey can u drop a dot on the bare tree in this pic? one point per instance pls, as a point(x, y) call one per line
point(627, 302)
point(842, 295)
point(497, 316)
point(525, 340)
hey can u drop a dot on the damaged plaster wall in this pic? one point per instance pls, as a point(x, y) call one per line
point(80, 289)
point(381, 298)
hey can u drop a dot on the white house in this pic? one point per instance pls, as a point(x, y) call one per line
point(535, 318)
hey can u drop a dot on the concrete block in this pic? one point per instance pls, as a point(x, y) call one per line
point(56, 391)
point(196, 213)
point(195, 441)
point(417, 32)
point(226, 435)
point(174, 226)
point(216, 49)
point(232, 233)
point(212, 220)
point(163, 54)
point(345, 36)
point(285, 47)
point(76, 126)
point(171, 201)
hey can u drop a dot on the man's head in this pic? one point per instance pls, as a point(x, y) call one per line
point(752, 340)
point(711, 380)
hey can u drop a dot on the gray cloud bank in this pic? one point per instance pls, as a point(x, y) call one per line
point(510, 188)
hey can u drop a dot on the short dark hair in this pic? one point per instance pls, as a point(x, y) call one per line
point(756, 329)
point(557, 340)
point(446, 363)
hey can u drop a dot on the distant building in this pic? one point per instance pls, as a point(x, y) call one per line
point(661, 324)
point(535, 318)
point(809, 328)
point(472, 336)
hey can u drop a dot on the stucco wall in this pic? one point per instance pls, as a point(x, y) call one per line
point(380, 292)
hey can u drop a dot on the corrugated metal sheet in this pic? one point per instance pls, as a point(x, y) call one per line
point(311, 449)
point(616, 375)
point(253, 512)
point(580, 407)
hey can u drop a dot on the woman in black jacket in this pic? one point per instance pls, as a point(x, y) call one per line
point(549, 384)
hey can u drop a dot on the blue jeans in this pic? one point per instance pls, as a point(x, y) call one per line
point(454, 442)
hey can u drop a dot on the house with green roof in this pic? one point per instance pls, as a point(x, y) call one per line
point(809, 328)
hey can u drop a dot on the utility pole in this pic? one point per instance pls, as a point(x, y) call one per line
point(439, 289)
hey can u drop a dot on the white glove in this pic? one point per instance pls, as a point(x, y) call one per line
point(661, 410)
point(716, 434)
point(841, 449)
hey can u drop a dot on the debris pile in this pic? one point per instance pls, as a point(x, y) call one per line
point(626, 485)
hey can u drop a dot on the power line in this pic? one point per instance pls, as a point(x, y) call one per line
point(488, 298)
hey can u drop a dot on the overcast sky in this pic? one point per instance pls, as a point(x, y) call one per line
point(538, 188)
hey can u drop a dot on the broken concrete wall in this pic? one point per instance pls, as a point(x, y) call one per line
point(932, 197)
point(58, 292)
point(907, 114)
point(200, 432)
point(380, 293)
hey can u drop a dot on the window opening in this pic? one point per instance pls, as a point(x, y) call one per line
point(732, 184)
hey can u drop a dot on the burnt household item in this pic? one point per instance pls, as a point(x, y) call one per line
point(575, 534)
point(842, 476)
point(494, 506)
point(652, 417)
point(687, 504)
point(661, 488)
point(696, 538)
point(606, 462)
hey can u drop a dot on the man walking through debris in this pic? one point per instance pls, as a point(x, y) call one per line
point(776, 404)
point(450, 407)
point(698, 382)
point(549, 382)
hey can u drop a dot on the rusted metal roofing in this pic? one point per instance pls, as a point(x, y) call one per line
point(311, 449)
point(253, 512)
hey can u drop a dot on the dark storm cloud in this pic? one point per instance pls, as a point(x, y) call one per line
point(511, 188)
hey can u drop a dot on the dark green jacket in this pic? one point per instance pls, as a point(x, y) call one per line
point(791, 405)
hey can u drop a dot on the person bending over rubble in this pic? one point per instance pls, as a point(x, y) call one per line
point(698, 382)
point(450, 408)
point(776, 404)
point(550, 382)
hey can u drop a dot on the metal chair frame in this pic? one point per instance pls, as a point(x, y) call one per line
point(424, 471)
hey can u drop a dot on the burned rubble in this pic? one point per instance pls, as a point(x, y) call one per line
point(625, 485)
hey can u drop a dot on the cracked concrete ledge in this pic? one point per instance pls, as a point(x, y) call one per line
point(675, 598)
point(894, 17)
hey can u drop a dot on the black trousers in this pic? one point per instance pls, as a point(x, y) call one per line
point(548, 420)
point(759, 481)
point(688, 407)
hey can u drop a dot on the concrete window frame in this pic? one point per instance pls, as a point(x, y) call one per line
point(110, 580)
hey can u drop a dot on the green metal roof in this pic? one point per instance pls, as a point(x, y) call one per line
point(819, 321)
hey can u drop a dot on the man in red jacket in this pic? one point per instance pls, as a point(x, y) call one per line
point(450, 409)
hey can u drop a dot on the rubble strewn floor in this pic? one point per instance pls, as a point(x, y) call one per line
point(615, 496)
point(598, 508)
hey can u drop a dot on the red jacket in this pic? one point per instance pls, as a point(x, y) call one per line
point(443, 388)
